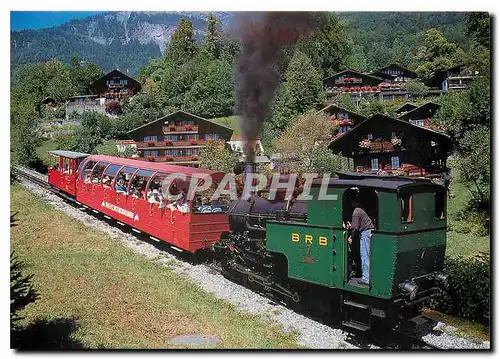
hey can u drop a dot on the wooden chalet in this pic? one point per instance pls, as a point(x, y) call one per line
point(353, 82)
point(114, 85)
point(177, 138)
point(342, 118)
point(394, 73)
point(421, 115)
point(456, 78)
point(385, 145)
point(404, 109)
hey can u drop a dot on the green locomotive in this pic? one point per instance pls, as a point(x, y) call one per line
point(301, 251)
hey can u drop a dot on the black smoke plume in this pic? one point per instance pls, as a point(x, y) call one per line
point(263, 37)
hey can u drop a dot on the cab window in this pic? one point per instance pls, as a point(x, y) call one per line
point(87, 170)
point(203, 202)
point(439, 205)
point(138, 183)
point(407, 208)
point(98, 171)
point(122, 179)
point(109, 175)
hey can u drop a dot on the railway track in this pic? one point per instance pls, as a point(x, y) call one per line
point(405, 341)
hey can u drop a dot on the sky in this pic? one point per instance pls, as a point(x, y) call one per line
point(20, 20)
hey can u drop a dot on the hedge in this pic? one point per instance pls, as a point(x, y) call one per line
point(468, 295)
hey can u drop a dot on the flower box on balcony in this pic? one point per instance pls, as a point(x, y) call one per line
point(188, 128)
point(194, 157)
point(193, 142)
point(169, 158)
point(169, 143)
point(365, 144)
point(172, 128)
point(210, 140)
point(150, 158)
point(151, 143)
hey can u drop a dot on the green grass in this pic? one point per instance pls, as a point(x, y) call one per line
point(466, 245)
point(46, 145)
point(231, 121)
point(118, 298)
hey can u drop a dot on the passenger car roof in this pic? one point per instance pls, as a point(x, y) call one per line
point(68, 154)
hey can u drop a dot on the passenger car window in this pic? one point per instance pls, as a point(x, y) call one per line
point(97, 172)
point(407, 208)
point(109, 175)
point(122, 179)
point(138, 183)
point(440, 204)
point(87, 170)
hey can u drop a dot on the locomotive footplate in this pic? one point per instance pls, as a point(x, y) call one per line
point(418, 325)
point(266, 282)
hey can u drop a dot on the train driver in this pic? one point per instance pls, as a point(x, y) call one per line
point(362, 226)
point(120, 186)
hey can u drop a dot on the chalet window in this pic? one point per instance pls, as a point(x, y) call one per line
point(393, 134)
point(172, 152)
point(150, 138)
point(407, 208)
point(171, 137)
point(212, 136)
point(395, 162)
point(440, 204)
point(374, 164)
point(370, 136)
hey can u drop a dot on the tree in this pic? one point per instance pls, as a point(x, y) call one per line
point(329, 45)
point(95, 128)
point(212, 95)
point(216, 157)
point(436, 54)
point(478, 26)
point(345, 101)
point(83, 76)
point(307, 140)
point(414, 86)
point(213, 45)
point(25, 133)
point(22, 291)
point(301, 91)
point(182, 46)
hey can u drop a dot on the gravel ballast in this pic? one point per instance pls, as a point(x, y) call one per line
point(312, 334)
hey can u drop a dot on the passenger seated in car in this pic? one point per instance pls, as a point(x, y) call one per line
point(106, 182)
point(155, 196)
point(120, 186)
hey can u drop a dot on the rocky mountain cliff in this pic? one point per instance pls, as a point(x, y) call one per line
point(124, 40)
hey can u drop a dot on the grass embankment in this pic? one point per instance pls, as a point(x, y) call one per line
point(116, 297)
point(462, 244)
point(230, 121)
point(46, 145)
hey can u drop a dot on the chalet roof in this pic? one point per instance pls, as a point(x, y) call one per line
point(342, 142)
point(396, 66)
point(342, 109)
point(186, 113)
point(47, 100)
point(408, 105)
point(116, 72)
point(353, 71)
point(68, 154)
point(410, 114)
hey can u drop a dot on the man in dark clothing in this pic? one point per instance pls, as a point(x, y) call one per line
point(362, 225)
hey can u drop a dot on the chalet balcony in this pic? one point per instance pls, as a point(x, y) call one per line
point(180, 129)
point(379, 146)
point(194, 159)
point(168, 144)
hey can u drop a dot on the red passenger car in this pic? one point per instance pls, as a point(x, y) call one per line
point(139, 194)
point(63, 167)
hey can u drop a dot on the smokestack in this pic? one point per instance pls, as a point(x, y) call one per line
point(263, 37)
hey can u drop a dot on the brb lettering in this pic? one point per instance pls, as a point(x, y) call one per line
point(309, 239)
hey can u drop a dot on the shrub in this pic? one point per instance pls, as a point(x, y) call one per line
point(469, 292)
point(22, 291)
point(474, 223)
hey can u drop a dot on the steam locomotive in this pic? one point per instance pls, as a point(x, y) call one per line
point(299, 250)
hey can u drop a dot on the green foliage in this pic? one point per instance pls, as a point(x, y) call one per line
point(469, 292)
point(470, 222)
point(214, 156)
point(478, 26)
point(107, 148)
point(83, 75)
point(370, 105)
point(436, 53)
point(22, 291)
point(414, 86)
point(212, 93)
point(301, 91)
point(329, 45)
point(25, 134)
point(213, 43)
point(94, 129)
point(345, 101)
point(182, 46)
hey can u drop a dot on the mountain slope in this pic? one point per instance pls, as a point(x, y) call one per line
point(124, 40)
